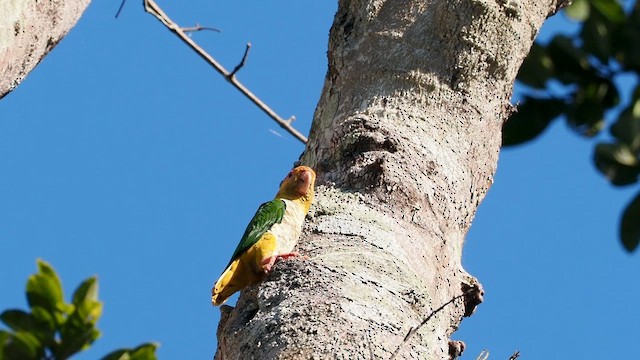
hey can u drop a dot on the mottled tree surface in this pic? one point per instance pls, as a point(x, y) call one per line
point(405, 142)
point(29, 29)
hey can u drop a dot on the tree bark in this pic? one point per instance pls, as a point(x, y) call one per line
point(405, 142)
point(28, 31)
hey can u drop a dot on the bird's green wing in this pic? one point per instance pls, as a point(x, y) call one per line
point(268, 214)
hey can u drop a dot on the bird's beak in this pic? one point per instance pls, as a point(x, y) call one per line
point(304, 179)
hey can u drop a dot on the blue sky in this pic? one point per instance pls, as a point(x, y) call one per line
point(124, 155)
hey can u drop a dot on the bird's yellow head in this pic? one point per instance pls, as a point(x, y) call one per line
point(298, 184)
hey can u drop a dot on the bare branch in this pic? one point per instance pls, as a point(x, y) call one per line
point(152, 8)
point(515, 355)
point(120, 8)
point(199, 27)
point(424, 322)
point(241, 64)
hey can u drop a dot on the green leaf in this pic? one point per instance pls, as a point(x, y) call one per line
point(41, 327)
point(578, 10)
point(143, 352)
point(617, 163)
point(628, 38)
point(45, 328)
point(21, 346)
point(630, 225)
point(85, 299)
point(627, 127)
point(596, 36)
point(86, 291)
point(537, 68)
point(5, 336)
point(44, 289)
point(590, 102)
point(586, 117)
point(119, 354)
point(532, 118)
point(79, 331)
point(44, 318)
point(611, 9)
point(74, 338)
point(570, 63)
point(18, 320)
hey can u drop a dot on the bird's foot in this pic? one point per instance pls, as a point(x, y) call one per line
point(267, 263)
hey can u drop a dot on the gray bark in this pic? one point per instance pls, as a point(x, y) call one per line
point(29, 29)
point(405, 142)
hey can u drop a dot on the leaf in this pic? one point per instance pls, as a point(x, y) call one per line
point(586, 118)
point(45, 326)
point(43, 317)
point(74, 338)
point(597, 36)
point(85, 299)
point(627, 127)
point(87, 290)
point(79, 331)
point(533, 117)
point(537, 68)
point(21, 346)
point(578, 10)
point(117, 355)
point(5, 336)
point(628, 54)
point(44, 289)
point(570, 62)
point(143, 352)
point(617, 163)
point(18, 320)
point(630, 225)
point(610, 9)
point(590, 102)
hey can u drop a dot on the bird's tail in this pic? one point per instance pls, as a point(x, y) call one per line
point(230, 281)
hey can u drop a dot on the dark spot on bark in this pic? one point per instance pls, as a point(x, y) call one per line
point(251, 313)
point(431, 167)
point(456, 78)
point(473, 296)
point(456, 348)
point(346, 21)
point(366, 142)
point(51, 43)
point(16, 28)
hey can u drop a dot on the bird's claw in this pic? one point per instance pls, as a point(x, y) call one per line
point(267, 263)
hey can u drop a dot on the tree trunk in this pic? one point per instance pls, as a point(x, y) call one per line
point(28, 31)
point(405, 142)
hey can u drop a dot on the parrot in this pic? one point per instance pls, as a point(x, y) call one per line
point(271, 235)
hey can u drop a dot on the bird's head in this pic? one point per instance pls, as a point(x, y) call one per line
point(298, 184)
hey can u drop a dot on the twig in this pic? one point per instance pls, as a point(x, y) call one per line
point(515, 355)
point(484, 355)
point(244, 59)
point(120, 8)
point(152, 8)
point(199, 27)
point(424, 322)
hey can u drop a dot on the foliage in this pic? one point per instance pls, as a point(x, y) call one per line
point(54, 329)
point(575, 78)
